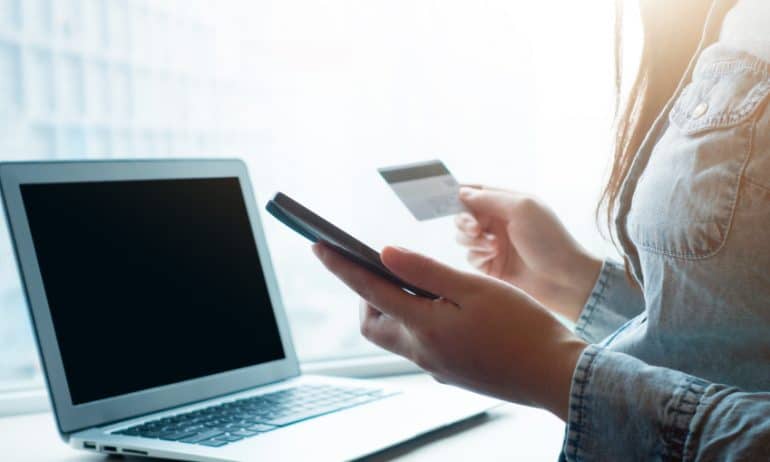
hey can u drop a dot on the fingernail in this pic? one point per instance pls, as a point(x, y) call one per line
point(465, 192)
point(318, 250)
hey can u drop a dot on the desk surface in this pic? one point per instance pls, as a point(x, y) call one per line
point(508, 432)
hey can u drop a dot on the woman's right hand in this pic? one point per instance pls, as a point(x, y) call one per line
point(515, 238)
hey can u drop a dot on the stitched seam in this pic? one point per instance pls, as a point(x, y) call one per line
point(581, 380)
point(731, 66)
point(748, 106)
point(695, 222)
point(597, 296)
point(689, 448)
point(684, 403)
point(691, 256)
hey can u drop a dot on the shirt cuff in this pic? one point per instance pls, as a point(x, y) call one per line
point(619, 406)
point(613, 301)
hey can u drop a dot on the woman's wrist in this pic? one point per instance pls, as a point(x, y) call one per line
point(564, 361)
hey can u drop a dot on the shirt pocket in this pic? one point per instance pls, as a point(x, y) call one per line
point(684, 202)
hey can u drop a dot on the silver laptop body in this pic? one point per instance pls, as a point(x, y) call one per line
point(154, 302)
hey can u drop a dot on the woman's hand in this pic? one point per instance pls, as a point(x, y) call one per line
point(517, 239)
point(482, 335)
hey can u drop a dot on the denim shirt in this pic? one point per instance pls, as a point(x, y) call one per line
point(679, 367)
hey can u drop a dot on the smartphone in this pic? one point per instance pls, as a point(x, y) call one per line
point(316, 229)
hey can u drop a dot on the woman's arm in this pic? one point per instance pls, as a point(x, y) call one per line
point(516, 238)
point(489, 337)
point(613, 301)
point(623, 409)
point(482, 334)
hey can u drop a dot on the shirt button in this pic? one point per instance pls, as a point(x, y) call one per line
point(699, 110)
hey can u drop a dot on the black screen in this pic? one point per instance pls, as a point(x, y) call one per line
point(150, 283)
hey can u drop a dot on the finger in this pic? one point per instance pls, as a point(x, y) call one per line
point(383, 330)
point(480, 260)
point(466, 223)
point(483, 187)
point(472, 185)
point(386, 296)
point(485, 242)
point(490, 202)
point(428, 274)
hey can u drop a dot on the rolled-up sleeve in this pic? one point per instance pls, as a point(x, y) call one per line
point(613, 301)
point(624, 409)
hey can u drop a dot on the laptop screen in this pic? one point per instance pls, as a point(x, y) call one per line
point(150, 282)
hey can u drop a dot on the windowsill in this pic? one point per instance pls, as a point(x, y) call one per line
point(24, 401)
point(31, 400)
point(361, 367)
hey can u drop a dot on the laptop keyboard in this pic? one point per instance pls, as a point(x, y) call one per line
point(235, 420)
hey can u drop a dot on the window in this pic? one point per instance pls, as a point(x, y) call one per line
point(315, 96)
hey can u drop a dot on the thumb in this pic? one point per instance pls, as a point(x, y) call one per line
point(488, 202)
point(428, 274)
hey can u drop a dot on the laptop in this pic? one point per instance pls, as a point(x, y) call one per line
point(160, 324)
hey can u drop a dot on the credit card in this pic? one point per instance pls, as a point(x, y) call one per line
point(427, 189)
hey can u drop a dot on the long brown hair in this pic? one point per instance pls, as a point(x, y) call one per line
point(671, 30)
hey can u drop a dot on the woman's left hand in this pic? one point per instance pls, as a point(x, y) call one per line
point(483, 334)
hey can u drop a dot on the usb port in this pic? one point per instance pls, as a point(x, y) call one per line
point(109, 449)
point(89, 445)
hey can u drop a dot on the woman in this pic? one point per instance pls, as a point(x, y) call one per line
point(670, 362)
